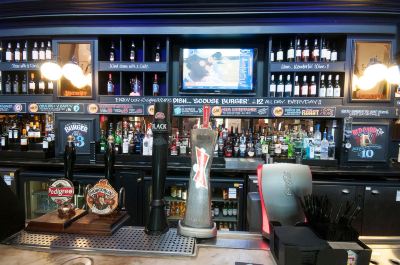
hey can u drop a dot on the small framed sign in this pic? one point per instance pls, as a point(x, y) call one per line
point(82, 128)
point(369, 142)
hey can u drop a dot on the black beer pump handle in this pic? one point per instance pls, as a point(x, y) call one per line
point(109, 161)
point(121, 199)
point(69, 158)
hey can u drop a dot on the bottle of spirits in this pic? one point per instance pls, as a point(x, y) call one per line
point(310, 150)
point(132, 54)
point(50, 87)
point(290, 52)
point(250, 148)
point(174, 147)
point(135, 87)
point(331, 148)
point(315, 51)
point(323, 51)
point(112, 52)
point(278, 146)
point(313, 88)
point(48, 54)
point(9, 53)
point(329, 89)
point(242, 146)
point(35, 52)
point(280, 88)
point(258, 148)
point(156, 87)
point(336, 89)
point(103, 142)
point(8, 85)
point(17, 53)
point(125, 143)
point(24, 141)
point(279, 54)
point(288, 87)
point(25, 52)
point(220, 145)
point(296, 89)
point(118, 142)
point(285, 146)
point(15, 130)
point(317, 142)
point(4, 141)
point(272, 56)
point(110, 85)
point(264, 146)
point(334, 55)
point(41, 85)
point(16, 88)
point(24, 85)
point(42, 52)
point(10, 134)
point(298, 50)
point(304, 87)
point(322, 87)
point(157, 53)
point(272, 87)
point(45, 142)
point(305, 55)
point(32, 84)
point(324, 147)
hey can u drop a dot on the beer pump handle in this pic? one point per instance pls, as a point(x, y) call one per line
point(109, 161)
point(121, 199)
point(206, 116)
point(87, 188)
point(69, 157)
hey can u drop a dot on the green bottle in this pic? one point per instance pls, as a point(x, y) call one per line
point(118, 142)
point(290, 151)
point(103, 142)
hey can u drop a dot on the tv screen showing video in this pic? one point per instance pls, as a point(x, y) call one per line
point(217, 70)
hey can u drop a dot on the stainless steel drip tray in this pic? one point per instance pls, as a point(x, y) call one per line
point(127, 240)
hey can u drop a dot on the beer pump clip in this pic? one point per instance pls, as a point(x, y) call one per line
point(102, 198)
point(347, 128)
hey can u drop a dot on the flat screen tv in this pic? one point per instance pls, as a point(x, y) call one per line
point(217, 71)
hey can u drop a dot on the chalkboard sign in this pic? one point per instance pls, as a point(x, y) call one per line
point(83, 130)
point(369, 142)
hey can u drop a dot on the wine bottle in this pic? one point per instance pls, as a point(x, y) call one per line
point(17, 53)
point(8, 85)
point(334, 55)
point(132, 54)
point(16, 89)
point(290, 52)
point(328, 52)
point(41, 86)
point(112, 52)
point(279, 54)
point(48, 53)
point(24, 86)
point(336, 89)
point(156, 87)
point(322, 87)
point(32, 84)
point(280, 87)
point(305, 52)
point(323, 51)
point(110, 85)
point(315, 52)
point(42, 52)
point(50, 87)
point(296, 89)
point(9, 53)
point(35, 52)
point(312, 88)
point(25, 52)
point(272, 87)
point(288, 87)
point(298, 50)
point(272, 56)
point(157, 53)
point(329, 89)
point(304, 87)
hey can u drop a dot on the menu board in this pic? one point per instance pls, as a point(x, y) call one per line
point(369, 143)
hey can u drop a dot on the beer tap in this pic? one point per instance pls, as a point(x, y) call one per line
point(109, 161)
point(69, 158)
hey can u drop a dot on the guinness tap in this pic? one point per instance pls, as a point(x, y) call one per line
point(69, 157)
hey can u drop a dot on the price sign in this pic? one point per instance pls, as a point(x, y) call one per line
point(368, 143)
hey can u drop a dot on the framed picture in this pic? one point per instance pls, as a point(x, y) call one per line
point(370, 61)
point(76, 59)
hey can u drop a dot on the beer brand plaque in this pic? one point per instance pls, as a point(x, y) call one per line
point(102, 199)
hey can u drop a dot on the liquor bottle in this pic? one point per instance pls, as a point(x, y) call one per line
point(242, 146)
point(216, 210)
point(250, 148)
point(9, 53)
point(324, 147)
point(329, 89)
point(50, 87)
point(156, 87)
point(16, 88)
point(272, 56)
point(230, 210)
point(41, 85)
point(48, 53)
point(24, 86)
point(334, 55)
point(24, 141)
point(118, 142)
point(317, 142)
point(272, 87)
point(35, 52)
point(290, 52)
point(288, 87)
point(132, 145)
point(264, 146)
point(234, 209)
point(135, 87)
point(331, 148)
point(220, 145)
point(157, 53)
point(304, 87)
point(125, 144)
point(296, 89)
point(310, 150)
point(313, 88)
point(103, 142)
point(15, 130)
point(174, 147)
point(280, 87)
point(42, 52)
point(32, 84)
point(4, 141)
point(112, 52)
point(336, 89)
point(25, 52)
point(258, 148)
point(279, 54)
point(8, 85)
point(284, 146)
point(323, 51)
point(225, 210)
point(278, 146)
point(322, 87)
point(305, 55)
point(110, 85)
point(17, 53)
point(315, 52)
point(298, 50)
point(132, 54)
point(236, 148)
